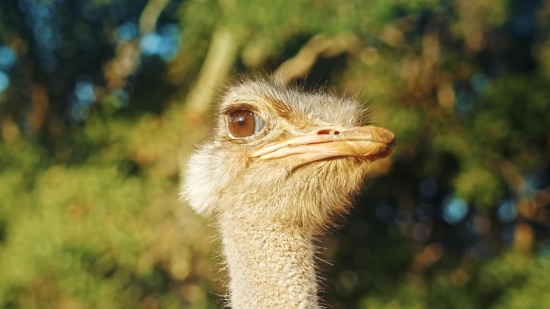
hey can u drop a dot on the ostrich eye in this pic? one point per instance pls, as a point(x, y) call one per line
point(244, 123)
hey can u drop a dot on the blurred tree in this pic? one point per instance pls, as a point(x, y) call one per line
point(100, 101)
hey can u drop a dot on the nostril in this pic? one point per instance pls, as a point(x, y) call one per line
point(327, 132)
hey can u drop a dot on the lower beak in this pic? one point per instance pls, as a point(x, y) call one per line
point(330, 142)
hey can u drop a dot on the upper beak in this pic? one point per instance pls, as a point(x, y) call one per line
point(333, 141)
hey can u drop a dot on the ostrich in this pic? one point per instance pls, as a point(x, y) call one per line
point(280, 166)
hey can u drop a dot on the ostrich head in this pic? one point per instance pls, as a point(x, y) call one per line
point(283, 155)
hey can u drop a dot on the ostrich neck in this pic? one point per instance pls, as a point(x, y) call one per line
point(270, 265)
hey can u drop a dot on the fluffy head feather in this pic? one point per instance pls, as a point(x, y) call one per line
point(223, 177)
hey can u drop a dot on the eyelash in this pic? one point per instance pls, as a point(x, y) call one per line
point(230, 109)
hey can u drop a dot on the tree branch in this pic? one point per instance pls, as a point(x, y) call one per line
point(318, 46)
point(219, 60)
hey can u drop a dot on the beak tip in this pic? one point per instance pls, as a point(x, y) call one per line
point(393, 142)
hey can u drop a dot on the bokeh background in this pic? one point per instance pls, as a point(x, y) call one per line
point(101, 102)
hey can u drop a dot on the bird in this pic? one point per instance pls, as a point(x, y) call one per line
point(279, 168)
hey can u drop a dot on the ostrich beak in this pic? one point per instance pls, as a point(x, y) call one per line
point(333, 141)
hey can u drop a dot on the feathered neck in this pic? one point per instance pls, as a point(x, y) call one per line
point(270, 265)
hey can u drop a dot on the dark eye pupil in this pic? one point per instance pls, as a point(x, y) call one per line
point(244, 123)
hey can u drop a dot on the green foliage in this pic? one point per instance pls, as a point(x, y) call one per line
point(99, 234)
